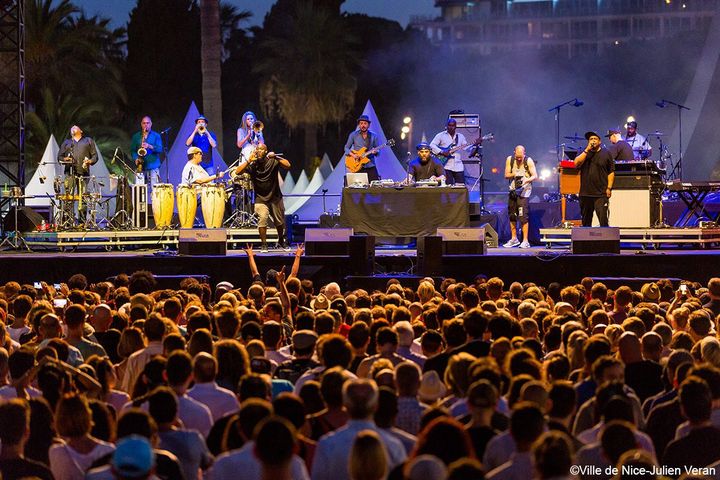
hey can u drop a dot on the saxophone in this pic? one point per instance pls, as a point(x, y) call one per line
point(141, 152)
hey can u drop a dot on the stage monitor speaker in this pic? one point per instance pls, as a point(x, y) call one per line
point(327, 241)
point(202, 241)
point(491, 236)
point(362, 254)
point(595, 240)
point(634, 208)
point(429, 255)
point(463, 241)
point(28, 220)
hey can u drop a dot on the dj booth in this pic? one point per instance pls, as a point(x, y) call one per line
point(404, 211)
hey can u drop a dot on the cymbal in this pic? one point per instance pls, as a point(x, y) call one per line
point(574, 138)
point(657, 133)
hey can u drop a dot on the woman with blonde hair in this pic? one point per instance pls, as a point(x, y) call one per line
point(425, 292)
point(368, 460)
point(73, 422)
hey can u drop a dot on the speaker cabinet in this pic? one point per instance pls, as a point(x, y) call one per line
point(429, 255)
point(587, 240)
point(463, 241)
point(202, 241)
point(491, 236)
point(28, 220)
point(362, 254)
point(327, 241)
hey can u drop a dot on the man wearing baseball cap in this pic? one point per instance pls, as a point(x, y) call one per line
point(620, 150)
point(426, 166)
point(202, 138)
point(597, 174)
point(363, 137)
point(193, 173)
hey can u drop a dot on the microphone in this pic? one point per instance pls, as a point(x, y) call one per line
point(166, 131)
point(102, 184)
point(115, 155)
point(661, 104)
point(578, 103)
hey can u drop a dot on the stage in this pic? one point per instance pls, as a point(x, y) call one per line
point(537, 264)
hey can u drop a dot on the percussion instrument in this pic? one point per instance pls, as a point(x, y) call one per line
point(186, 205)
point(243, 181)
point(163, 199)
point(213, 204)
point(68, 197)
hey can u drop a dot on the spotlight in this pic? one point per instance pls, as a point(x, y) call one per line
point(544, 174)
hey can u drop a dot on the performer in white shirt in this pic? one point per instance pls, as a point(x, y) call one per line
point(193, 173)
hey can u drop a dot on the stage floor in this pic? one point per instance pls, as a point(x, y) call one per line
point(537, 264)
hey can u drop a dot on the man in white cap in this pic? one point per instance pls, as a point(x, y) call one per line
point(193, 173)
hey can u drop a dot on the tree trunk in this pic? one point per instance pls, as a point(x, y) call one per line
point(310, 143)
point(211, 62)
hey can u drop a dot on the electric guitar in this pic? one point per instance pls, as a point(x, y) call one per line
point(354, 164)
point(447, 153)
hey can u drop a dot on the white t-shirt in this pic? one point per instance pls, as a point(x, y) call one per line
point(192, 172)
point(16, 332)
point(68, 464)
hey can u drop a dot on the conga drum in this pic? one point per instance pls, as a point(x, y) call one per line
point(212, 199)
point(186, 205)
point(163, 200)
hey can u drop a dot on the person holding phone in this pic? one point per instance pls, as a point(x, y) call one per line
point(597, 175)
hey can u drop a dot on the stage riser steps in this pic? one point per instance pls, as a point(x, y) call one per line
point(655, 237)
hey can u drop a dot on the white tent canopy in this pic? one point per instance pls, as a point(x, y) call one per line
point(48, 169)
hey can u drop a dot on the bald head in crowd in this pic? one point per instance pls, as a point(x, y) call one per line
point(629, 348)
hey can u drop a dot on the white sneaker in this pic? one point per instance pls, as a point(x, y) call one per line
point(525, 244)
point(513, 242)
point(263, 248)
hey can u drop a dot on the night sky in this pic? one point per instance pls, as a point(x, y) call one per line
point(399, 10)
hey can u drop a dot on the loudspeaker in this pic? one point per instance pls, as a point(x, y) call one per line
point(429, 255)
point(362, 254)
point(28, 220)
point(463, 241)
point(595, 240)
point(491, 236)
point(202, 241)
point(327, 241)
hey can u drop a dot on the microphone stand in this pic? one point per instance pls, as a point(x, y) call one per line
point(677, 169)
point(165, 135)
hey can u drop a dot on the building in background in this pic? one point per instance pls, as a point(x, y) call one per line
point(566, 27)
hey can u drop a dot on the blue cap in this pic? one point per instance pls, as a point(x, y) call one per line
point(201, 117)
point(133, 457)
point(422, 145)
point(363, 118)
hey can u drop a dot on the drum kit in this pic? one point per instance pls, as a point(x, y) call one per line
point(640, 154)
point(83, 192)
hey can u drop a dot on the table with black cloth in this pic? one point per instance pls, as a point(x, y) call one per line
point(404, 212)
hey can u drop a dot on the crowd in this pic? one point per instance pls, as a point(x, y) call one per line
point(290, 380)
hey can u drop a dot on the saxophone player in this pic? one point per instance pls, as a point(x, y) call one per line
point(146, 147)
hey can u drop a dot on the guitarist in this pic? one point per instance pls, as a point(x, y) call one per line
point(363, 137)
point(443, 143)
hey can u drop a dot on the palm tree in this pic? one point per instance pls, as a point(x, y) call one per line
point(211, 42)
point(306, 65)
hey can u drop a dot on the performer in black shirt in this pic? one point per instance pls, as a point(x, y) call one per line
point(425, 166)
point(263, 168)
point(597, 174)
point(77, 153)
point(620, 150)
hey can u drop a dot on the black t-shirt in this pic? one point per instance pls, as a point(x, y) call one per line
point(480, 437)
point(644, 377)
point(22, 467)
point(264, 174)
point(621, 151)
point(594, 173)
point(420, 171)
